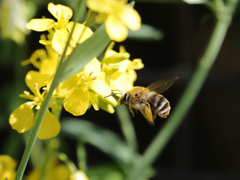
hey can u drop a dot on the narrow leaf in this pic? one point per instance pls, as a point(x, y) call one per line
point(103, 139)
point(146, 33)
point(85, 52)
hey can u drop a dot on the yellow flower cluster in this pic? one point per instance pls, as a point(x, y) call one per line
point(92, 83)
point(7, 167)
point(118, 17)
point(56, 169)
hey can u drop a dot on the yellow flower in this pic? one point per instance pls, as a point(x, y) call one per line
point(107, 104)
point(7, 167)
point(60, 12)
point(61, 29)
point(124, 78)
point(112, 56)
point(22, 118)
point(54, 170)
point(45, 60)
point(119, 17)
point(77, 89)
point(78, 175)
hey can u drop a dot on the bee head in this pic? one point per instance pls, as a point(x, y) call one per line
point(124, 99)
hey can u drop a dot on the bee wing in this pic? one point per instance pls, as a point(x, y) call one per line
point(161, 85)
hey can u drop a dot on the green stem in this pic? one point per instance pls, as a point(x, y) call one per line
point(127, 127)
point(48, 155)
point(81, 156)
point(187, 99)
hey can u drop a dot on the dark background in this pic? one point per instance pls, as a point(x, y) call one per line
point(207, 143)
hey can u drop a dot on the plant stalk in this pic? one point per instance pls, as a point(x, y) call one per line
point(190, 94)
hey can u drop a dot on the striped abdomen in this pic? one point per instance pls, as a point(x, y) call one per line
point(160, 105)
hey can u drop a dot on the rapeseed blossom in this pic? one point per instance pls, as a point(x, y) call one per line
point(22, 118)
point(93, 83)
point(125, 76)
point(61, 29)
point(7, 167)
point(79, 90)
point(118, 17)
point(54, 170)
point(44, 60)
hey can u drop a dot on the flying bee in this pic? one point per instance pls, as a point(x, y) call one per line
point(149, 100)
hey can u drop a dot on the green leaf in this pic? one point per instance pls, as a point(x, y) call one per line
point(106, 140)
point(146, 33)
point(85, 52)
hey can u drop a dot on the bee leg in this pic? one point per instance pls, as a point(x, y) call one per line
point(154, 114)
point(131, 109)
point(147, 112)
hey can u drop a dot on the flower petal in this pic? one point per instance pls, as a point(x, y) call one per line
point(41, 24)
point(116, 58)
point(50, 126)
point(48, 66)
point(77, 102)
point(100, 85)
point(33, 77)
point(21, 118)
point(130, 17)
point(115, 29)
point(60, 10)
point(124, 81)
point(136, 64)
point(104, 6)
point(59, 42)
point(66, 87)
point(81, 33)
point(107, 103)
point(93, 66)
point(94, 100)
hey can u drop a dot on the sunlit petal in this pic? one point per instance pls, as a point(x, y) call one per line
point(81, 33)
point(33, 77)
point(100, 85)
point(59, 42)
point(116, 30)
point(21, 118)
point(66, 87)
point(94, 100)
point(58, 10)
point(77, 102)
point(93, 66)
point(50, 126)
point(124, 81)
point(48, 67)
point(130, 17)
point(41, 24)
point(103, 6)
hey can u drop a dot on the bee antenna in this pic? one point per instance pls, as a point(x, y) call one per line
point(112, 94)
point(117, 90)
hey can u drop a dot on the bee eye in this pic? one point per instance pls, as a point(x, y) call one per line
point(126, 97)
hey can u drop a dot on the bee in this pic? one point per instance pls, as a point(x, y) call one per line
point(149, 100)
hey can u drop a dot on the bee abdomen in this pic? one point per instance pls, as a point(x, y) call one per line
point(161, 105)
